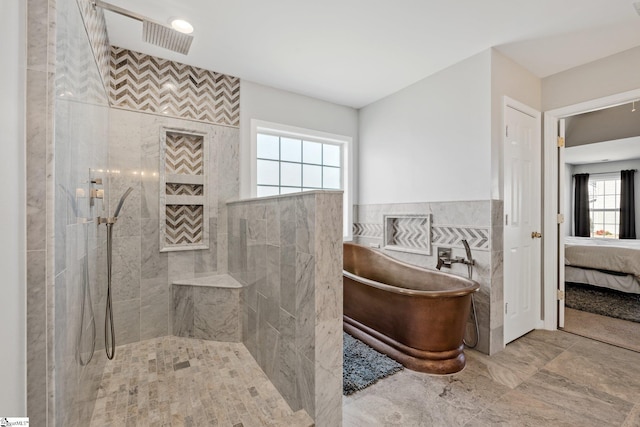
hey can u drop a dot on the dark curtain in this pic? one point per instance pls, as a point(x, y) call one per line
point(581, 209)
point(627, 205)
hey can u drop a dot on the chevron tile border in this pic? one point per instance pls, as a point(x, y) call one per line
point(446, 235)
point(185, 225)
point(478, 237)
point(367, 230)
point(154, 85)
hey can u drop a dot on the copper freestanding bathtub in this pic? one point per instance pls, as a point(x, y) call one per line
point(414, 315)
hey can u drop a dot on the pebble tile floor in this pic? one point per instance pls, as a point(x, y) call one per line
point(174, 381)
point(542, 379)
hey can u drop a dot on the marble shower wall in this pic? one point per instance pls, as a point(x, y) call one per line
point(477, 221)
point(142, 275)
point(40, 69)
point(287, 252)
point(67, 118)
point(81, 146)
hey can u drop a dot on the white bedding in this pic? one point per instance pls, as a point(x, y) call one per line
point(598, 241)
point(626, 283)
point(587, 260)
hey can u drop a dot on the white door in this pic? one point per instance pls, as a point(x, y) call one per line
point(522, 223)
point(561, 226)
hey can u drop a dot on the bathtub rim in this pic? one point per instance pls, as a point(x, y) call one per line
point(469, 289)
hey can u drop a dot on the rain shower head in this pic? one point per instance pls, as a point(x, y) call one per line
point(166, 37)
point(154, 32)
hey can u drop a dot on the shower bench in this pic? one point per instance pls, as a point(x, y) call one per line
point(208, 308)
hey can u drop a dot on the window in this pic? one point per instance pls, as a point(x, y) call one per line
point(290, 160)
point(289, 165)
point(604, 206)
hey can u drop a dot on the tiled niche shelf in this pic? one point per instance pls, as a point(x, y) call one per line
point(407, 233)
point(184, 209)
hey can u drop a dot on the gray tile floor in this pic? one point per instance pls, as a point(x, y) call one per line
point(542, 379)
point(174, 381)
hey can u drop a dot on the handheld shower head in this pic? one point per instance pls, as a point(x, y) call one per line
point(467, 249)
point(121, 202)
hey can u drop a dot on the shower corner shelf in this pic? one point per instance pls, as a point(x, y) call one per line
point(184, 208)
point(410, 233)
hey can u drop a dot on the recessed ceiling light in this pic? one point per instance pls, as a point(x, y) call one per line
point(182, 26)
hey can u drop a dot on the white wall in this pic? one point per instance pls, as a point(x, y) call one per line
point(605, 167)
point(273, 105)
point(430, 141)
point(508, 79)
point(13, 401)
point(608, 76)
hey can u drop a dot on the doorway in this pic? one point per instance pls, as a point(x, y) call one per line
point(555, 210)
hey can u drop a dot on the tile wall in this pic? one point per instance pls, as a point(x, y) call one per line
point(142, 275)
point(477, 221)
point(287, 251)
point(67, 118)
point(81, 151)
point(41, 48)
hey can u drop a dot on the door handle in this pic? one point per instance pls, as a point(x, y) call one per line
point(536, 235)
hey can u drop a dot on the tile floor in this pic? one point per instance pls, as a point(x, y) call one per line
point(174, 381)
point(542, 379)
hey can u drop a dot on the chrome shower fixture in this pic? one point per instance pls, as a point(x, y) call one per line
point(152, 31)
point(109, 331)
point(124, 196)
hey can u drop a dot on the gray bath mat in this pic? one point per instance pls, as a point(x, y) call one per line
point(363, 365)
point(603, 301)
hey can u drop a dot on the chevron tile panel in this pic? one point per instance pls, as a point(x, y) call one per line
point(184, 225)
point(367, 230)
point(412, 233)
point(146, 83)
point(184, 190)
point(184, 154)
point(452, 236)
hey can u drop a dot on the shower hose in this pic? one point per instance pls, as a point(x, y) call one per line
point(86, 296)
point(475, 316)
point(109, 333)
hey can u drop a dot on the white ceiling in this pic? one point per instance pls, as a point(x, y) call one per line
point(354, 52)
point(608, 151)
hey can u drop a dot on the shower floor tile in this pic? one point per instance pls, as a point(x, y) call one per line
point(176, 381)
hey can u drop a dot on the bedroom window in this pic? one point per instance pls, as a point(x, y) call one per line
point(604, 206)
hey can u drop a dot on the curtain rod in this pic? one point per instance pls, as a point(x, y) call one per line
point(602, 173)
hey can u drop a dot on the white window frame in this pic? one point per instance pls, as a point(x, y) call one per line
point(605, 177)
point(261, 126)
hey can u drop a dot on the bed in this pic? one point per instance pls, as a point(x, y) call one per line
point(607, 263)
